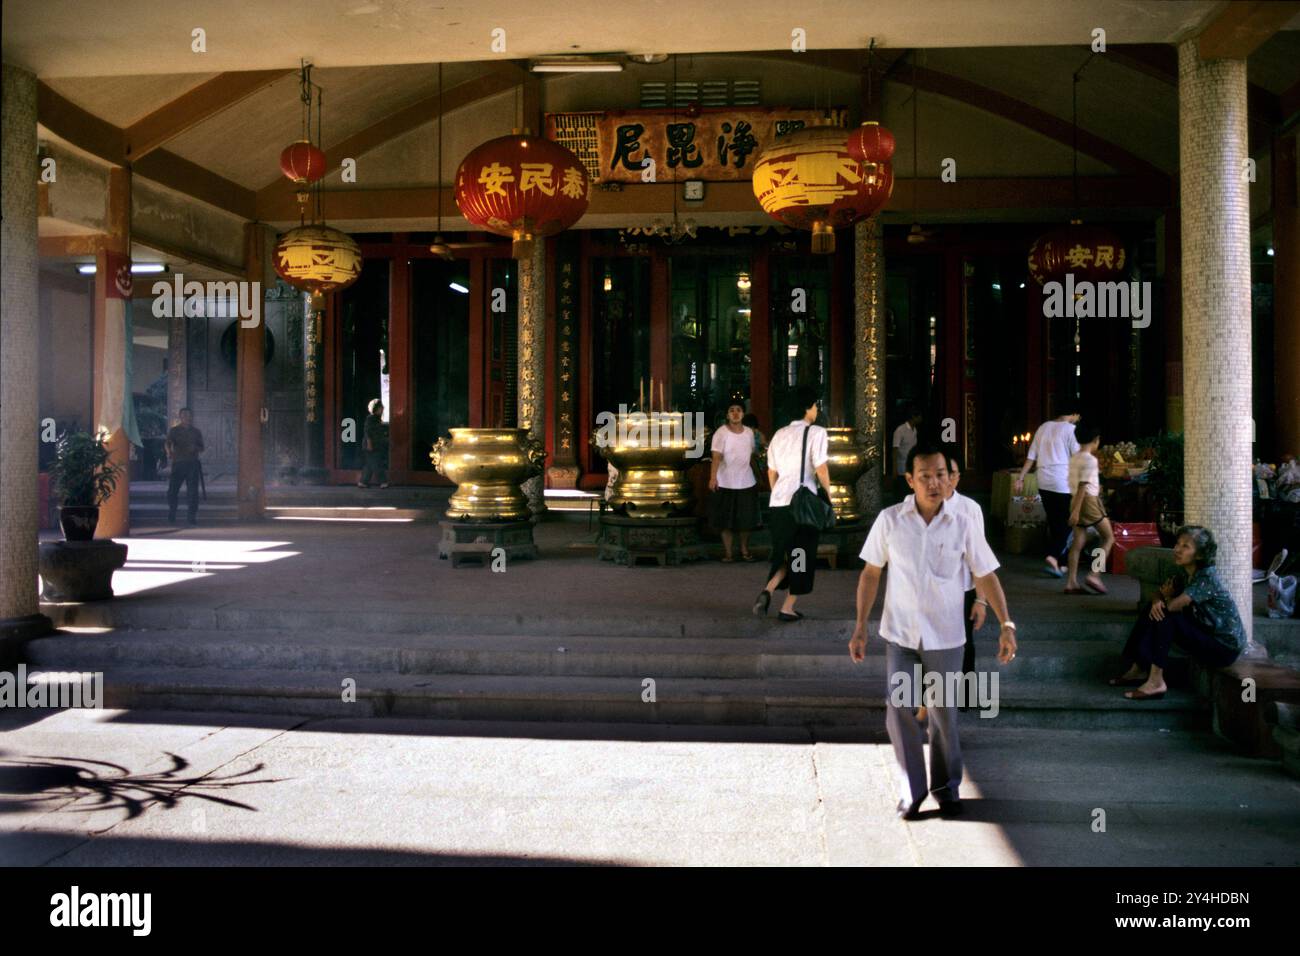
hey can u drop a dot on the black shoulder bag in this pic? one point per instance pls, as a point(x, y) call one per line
point(811, 509)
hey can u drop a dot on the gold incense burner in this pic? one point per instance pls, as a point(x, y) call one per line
point(653, 453)
point(848, 460)
point(488, 466)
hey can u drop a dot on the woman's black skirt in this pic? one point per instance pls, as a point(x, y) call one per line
point(793, 548)
point(734, 509)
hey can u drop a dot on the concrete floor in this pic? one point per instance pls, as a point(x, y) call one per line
point(84, 788)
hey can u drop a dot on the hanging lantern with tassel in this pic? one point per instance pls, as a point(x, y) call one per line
point(811, 179)
point(313, 257)
point(303, 163)
point(523, 187)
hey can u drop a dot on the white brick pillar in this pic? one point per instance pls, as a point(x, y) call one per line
point(532, 361)
point(869, 357)
point(1215, 208)
point(19, 341)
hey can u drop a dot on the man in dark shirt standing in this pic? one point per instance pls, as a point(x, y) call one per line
point(374, 434)
point(184, 443)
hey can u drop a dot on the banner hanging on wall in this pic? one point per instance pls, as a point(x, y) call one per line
point(714, 144)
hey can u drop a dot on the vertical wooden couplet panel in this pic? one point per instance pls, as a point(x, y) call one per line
point(250, 382)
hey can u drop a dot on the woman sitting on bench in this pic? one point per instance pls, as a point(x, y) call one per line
point(1194, 611)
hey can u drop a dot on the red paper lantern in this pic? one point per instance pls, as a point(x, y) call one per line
point(871, 143)
point(303, 163)
point(522, 186)
point(809, 180)
point(1089, 253)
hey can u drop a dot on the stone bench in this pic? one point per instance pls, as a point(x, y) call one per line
point(1286, 734)
point(1250, 723)
point(1151, 567)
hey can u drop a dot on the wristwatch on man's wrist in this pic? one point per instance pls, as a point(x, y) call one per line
point(1010, 624)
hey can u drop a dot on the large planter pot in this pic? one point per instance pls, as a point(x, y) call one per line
point(847, 461)
point(79, 522)
point(653, 454)
point(79, 570)
point(488, 466)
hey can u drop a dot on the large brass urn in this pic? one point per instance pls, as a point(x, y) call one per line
point(652, 453)
point(488, 466)
point(848, 460)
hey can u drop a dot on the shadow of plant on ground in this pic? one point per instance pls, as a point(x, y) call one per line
point(39, 780)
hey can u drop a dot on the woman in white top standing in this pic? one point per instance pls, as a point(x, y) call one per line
point(733, 504)
point(1051, 448)
point(794, 548)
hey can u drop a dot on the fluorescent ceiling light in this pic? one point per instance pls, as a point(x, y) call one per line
point(575, 64)
point(459, 288)
point(137, 268)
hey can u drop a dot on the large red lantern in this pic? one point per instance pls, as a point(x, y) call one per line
point(522, 186)
point(1089, 253)
point(808, 179)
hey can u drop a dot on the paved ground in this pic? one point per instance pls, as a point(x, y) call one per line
point(86, 788)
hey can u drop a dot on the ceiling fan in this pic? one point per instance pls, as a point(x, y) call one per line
point(440, 247)
point(916, 235)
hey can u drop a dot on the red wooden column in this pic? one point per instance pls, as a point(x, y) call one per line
point(250, 384)
point(115, 513)
point(839, 336)
point(760, 341)
point(400, 371)
point(661, 330)
point(479, 329)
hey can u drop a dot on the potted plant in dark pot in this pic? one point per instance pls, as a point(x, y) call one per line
point(81, 568)
point(83, 477)
point(1165, 484)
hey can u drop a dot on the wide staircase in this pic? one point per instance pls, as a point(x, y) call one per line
point(505, 666)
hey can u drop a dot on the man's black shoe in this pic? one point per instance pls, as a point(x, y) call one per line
point(908, 811)
point(950, 808)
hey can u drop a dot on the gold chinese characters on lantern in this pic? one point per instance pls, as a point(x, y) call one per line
point(811, 179)
point(522, 186)
point(1089, 253)
point(317, 259)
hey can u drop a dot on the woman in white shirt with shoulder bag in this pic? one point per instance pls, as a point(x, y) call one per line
point(798, 448)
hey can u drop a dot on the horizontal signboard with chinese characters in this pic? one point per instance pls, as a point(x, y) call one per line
point(715, 144)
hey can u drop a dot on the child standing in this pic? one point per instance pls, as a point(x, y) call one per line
point(1086, 509)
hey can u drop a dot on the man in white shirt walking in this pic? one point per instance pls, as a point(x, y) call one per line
point(926, 543)
point(903, 443)
point(1053, 444)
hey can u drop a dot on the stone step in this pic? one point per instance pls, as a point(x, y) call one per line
point(1082, 662)
point(674, 620)
point(770, 701)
